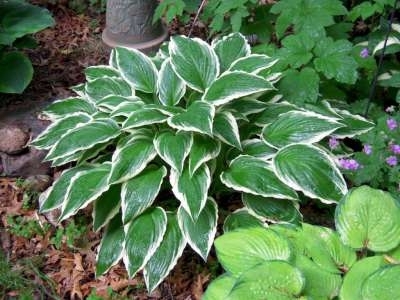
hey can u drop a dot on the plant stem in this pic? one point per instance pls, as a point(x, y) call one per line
point(196, 17)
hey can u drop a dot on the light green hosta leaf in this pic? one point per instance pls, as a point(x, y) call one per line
point(130, 158)
point(66, 107)
point(298, 127)
point(243, 249)
point(272, 111)
point(86, 186)
point(220, 287)
point(171, 88)
point(369, 218)
point(233, 85)
point(241, 218)
point(194, 61)
point(198, 118)
point(230, 48)
point(383, 284)
point(106, 207)
point(203, 149)
point(144, 116)
point(308, 169)
point(355, 278)
point(355, 125)
point(226, 129)
point(191, 190)
point(111, 246)
point(166, 255)
point(95, 72)
point(200, 233)
point(142, 238)
point(140, 192)
point(56, 130)
point(137, 69)
point(253, 175)
point(274, 210)
point(174, 148)
point(253, 63)
point(106, 86)
point(84, 137)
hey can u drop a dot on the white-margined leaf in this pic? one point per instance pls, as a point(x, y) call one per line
point(168, 110)
point(272, 111)
point(140, 192)
point(112, 61)
point(92, 152)
point(137, 69)
point(298, 127)
point(355, 125)
point(309, 169)
point(106, 86)
point(110, 103)
point(144, 116)
point(257, 148)
point(171, 88)
point(194, 61)
point(66, 107)
point(245, 106)
point(173, 148)
point(255, 176)
point(241, 218)
point(69, 158)
point(191, 190)
point(94, 72)
point(203, 149)
point(106, 206)
point(79, 89)
point(142, 238)
point(200, 233)
point(166, 255)
point(126, 108)
point(226, 129)
point(253, 63)
point(234, 85)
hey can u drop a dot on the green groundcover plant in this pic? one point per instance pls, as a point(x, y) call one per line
point(361, 260)
point(155, 141)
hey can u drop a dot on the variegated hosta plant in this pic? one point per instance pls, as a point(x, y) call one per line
point(152, 140)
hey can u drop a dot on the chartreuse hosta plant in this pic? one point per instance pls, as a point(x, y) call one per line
point(152, 140)
point(361, 260)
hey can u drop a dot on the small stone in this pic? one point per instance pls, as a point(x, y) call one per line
point(13, 139)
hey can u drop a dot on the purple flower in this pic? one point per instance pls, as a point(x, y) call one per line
point(395, 148)
point(333, 143)
point(349, 164)
point(364, 53)
point(391, 161)
point(391, 124)
point(367, 149)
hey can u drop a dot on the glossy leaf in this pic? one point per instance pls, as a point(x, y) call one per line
point(66, 107)
point(241, 218)
point(355, 125)
point(106, 86)
point(220, 287)
point(203, 149)
point(226, 129)
point(253, 63)
point(171, 88)
point(106, 207)
point(144, 116)
point(383, 284)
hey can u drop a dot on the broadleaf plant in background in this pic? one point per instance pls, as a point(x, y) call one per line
point(155, 141)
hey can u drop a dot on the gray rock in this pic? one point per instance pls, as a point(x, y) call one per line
point(13, 139)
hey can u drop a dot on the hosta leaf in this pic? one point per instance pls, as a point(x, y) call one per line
point(298, 127)
point(383, 284)
point(308, 169)
point(171, 88)
point(111, 246)
point(355, 125)
point(230, 48)
point(140, 192)
point(198, 117)
point(200, 233)
point(92, 152)
point(69, 158)
point(173, 148)
point(84, 137)
point(142, 238)
point(257, 148)
point(137, 69)
point(191, 191)
point(233, 85)
point(86, 186)
point(203, 149)
point(66, 107)
point(369, 218)
point(194, 61)
point(126, 108)
point(94, 72)
point(130, 158)
point(253, 63)
point(110, 103)
point(106, 86)
point(245, 106)
point(144, 116)
point(166, 255)
point(106, 207)
point(220, 287)
point(253, 175)
point(272, 111)
point(226, 129)
point(17, 71)
point(241, 218)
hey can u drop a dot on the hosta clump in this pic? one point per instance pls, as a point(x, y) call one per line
point(361, 260)
point(151, 138)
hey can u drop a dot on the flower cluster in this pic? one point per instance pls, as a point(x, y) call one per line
point(348, 164)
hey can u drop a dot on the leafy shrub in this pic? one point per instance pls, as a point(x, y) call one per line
point(202, 115)
point(361, 260)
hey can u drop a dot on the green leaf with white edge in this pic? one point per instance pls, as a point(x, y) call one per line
point(226, 129)
point(142, 238)
point(110, 103)
point(298, 127)
point(144, 116)
point(69, 158)
point(272, 111)
point(63, 108)
point(257, 148)
point(356, 276)
point(203, 149)
point(79, 89)
point(191, 190)
point(106, 207)
point(369, 218)
point(309, 169)
point(140, 192)
point(16, 72)
point(170, 87)
point(125, 109)
point(272, 279)
point(166, 255)
point(253, 63)
point(201, 232)
point(137, 69)
point(241, 218)
point(230, 48)
point(173, 147)
point(106, 86)
point(273, 210)
point(59, 128)
point(245, 106)
point(382, 284)
point(86, 186)
point(84, 137)
point(198, 118)
point(355, 125)
point(194, 61)
point(220, 287)
point(255, 176)
point(94, 72)
point(234, 85)
point(243, 249)
point(130, 158)
point(111, 247)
